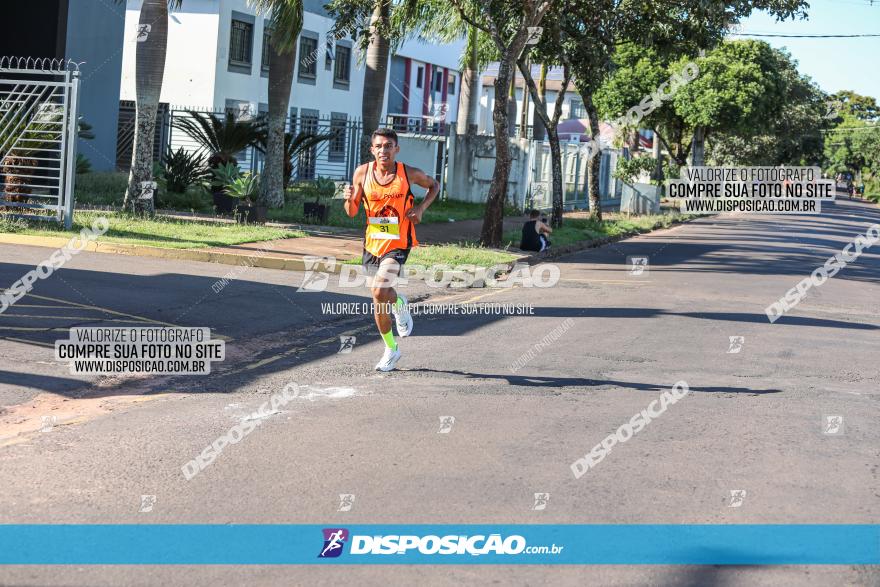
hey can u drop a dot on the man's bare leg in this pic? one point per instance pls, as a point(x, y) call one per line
point(384, 296)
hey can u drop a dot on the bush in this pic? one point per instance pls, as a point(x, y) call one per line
point(322, 188)
point(182, 170)
point(9, 223)
point(102, 188)
point(83, 165)
point(196, 199)
point(629, 170)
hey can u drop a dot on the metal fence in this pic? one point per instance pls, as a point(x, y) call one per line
point(575, 167)
point(334, 158)
point(38, 132)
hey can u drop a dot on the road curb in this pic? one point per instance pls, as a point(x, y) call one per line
point(254, 259)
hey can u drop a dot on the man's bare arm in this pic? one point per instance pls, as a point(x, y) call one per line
point(420, 178)
point(354, 192)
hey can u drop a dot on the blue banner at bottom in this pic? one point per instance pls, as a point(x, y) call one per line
point(251, 544)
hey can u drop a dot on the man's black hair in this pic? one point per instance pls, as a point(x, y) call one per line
point(384, 132)
point(534, 213)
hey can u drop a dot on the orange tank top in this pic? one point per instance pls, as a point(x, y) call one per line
point(386, 205)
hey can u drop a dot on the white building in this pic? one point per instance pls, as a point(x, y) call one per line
point(572, 105)
point(217, 58)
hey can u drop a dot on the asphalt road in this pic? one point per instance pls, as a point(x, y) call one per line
point(754, 421)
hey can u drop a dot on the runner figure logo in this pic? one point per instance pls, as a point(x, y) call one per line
point(737, 497)
point(147, 503)
point(346, 501)
point(346, 344)
point(314, 278)
point(143, 32)
point(541, 501)
point(446, 423)
point(638, 265)
point(736, 344)
point(48, 423)
point(833, 425)
point(334, 540)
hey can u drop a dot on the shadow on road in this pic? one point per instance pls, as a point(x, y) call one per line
point(561, 382)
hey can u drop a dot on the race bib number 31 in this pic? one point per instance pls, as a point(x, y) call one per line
point(383, 228)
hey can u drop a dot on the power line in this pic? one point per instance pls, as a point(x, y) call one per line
point(806, 36)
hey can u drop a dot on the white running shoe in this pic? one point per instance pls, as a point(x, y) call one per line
point(389, 359)
point(402, 317)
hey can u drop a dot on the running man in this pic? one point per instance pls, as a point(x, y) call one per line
point(384, 184)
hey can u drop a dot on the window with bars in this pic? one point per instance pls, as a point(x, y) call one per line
point(336, 150)
point(342, 72)
point(264, 62)
point(240, 43)
point(308, 62)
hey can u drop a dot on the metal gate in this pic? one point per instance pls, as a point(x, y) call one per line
point(38, 132)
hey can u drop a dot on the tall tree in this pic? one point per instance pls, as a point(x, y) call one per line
point(469, 96)
point(152, 43)
point(508, 24)
point(286, 23)
point(550, 50)
point(376, 72)
point(374, 43)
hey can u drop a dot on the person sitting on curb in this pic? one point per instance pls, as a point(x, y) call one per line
point(535, 233)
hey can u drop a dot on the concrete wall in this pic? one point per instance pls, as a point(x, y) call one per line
point(421, 153)
point(95, 35)
point(472, 163)
point(190, 61)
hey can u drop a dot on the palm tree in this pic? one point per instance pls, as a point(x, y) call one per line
point(286, 24)
point(374, 40)
point(149, 71)
point(221, 138)
point(376, 72)
point(293, 146)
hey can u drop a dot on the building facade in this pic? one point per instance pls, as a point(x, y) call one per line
point(89, 33)
point(217, 58)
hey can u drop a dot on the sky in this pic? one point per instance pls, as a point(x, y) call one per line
point(835, 64)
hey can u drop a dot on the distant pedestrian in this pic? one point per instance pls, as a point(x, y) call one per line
point(535, 233)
